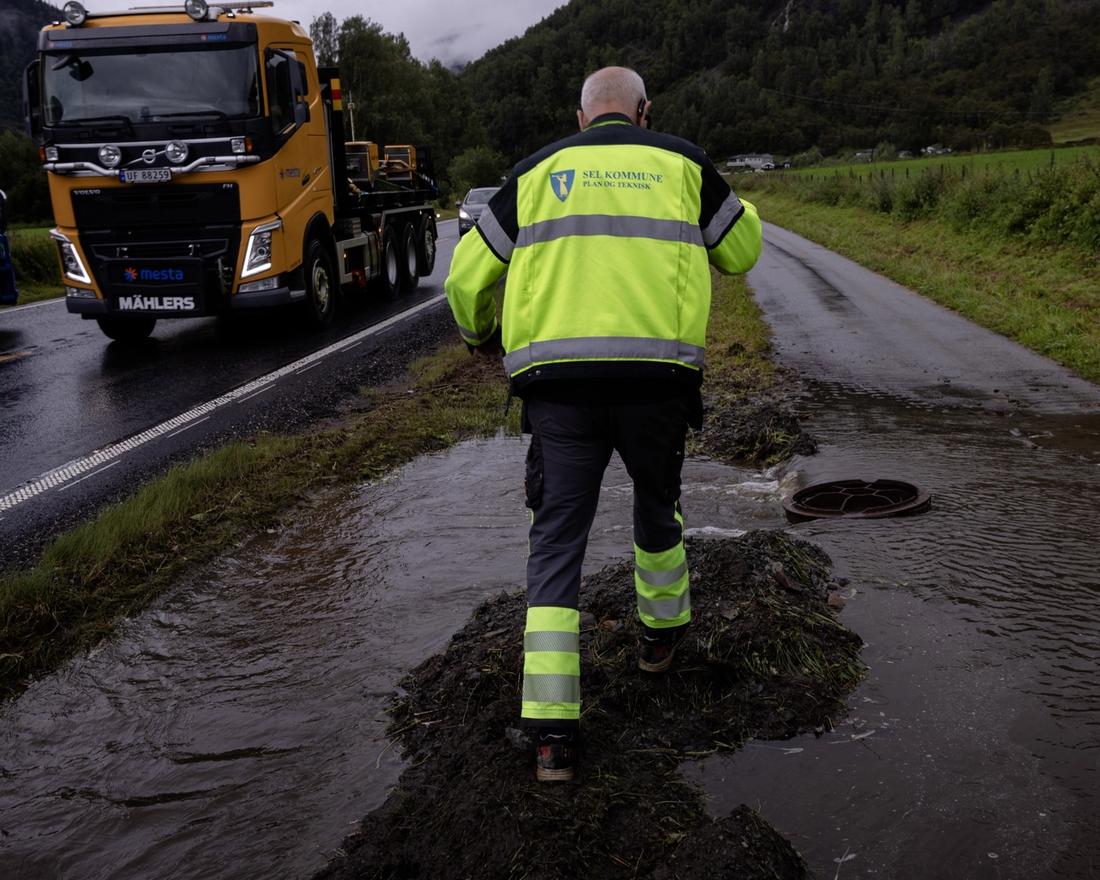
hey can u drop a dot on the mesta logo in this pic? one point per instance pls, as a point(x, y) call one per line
point(130, 274)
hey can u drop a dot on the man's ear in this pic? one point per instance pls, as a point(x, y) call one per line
point(582, 121)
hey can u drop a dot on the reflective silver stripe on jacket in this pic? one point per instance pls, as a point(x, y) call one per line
point(610, 224)
point(590, 348)
point(551, 688)
point(467, 333)
point(561, 642)
point(665, 609)
point(494, 234)
point(662, 578)
point(722, 218)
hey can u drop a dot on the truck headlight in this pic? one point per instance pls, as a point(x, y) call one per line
point(109, 155)
point(71, 264)
point(257, 257)
point(176, 151)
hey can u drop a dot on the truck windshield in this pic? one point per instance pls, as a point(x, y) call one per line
point(146, 85)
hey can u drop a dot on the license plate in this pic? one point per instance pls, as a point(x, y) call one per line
point(145, 175)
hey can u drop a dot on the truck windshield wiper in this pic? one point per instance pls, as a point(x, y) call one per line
point(209, 112)
point(88, 120)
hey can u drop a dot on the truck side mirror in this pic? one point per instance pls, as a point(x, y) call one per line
point(32, 101)
point(301, 111)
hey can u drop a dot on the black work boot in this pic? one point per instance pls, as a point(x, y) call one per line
point(657, 647)
point(555, 754)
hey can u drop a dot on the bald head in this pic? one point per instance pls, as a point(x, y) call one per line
point(611, 90)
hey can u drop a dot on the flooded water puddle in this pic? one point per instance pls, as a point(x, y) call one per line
point(973, 747)
point(236, 729)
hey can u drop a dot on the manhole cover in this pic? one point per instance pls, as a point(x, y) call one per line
point(858, 499)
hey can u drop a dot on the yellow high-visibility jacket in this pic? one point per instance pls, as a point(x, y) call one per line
point(607, 237)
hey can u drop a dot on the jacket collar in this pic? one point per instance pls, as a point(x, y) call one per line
point(608, 119)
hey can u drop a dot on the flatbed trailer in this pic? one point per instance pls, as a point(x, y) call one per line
point(197, 166)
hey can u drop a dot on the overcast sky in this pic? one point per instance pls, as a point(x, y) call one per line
point(453, 31)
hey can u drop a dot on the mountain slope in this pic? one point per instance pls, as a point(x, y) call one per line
point(787, 76)
point(20, 21)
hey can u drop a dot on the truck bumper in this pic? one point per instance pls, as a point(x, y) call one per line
point(265, 299)
point(83, 305)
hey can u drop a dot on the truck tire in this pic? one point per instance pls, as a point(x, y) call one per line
point(390, 276)
point(410, 262)
point(128, 328)
point(321, 287)
point(425, 247)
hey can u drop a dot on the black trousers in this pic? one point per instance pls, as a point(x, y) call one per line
point(571, 445)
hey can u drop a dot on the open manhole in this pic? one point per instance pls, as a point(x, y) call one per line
point(857, 499)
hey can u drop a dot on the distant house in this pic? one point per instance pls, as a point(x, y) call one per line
point(905, 154)
point(864, 155)
point(935, 150)
point(753, 161)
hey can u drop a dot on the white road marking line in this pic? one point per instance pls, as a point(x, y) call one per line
point(88, 476)
point(187, 427)
point(255, 394)
point(350, 347)
point(33, 305)
point(306, 369)
point(68, 473)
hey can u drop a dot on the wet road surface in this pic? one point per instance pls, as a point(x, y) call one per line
point(236, 729)
point(66, 391)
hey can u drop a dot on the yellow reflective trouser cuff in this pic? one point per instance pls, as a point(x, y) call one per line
point(661, 581)
point(552, 664)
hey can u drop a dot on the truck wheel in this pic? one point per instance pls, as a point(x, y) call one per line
point(425, 247)
point(321, 285)
point(126, 329)
point(409, 260)
point(391, 265)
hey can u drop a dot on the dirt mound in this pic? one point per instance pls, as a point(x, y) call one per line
point(764, 658)
point(762, 430)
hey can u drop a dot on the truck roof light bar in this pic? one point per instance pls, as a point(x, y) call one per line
point(199, 10)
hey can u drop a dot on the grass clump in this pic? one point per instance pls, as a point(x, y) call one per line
point(632, 814)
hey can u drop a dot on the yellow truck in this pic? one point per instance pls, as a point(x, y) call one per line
point(197, 166)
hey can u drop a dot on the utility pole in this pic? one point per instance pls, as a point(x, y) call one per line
point(351, 114)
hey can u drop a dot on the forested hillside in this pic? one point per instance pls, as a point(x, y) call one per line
point(788, 76)
point(20, 21)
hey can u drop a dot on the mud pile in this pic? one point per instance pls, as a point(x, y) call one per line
point(764, 658)
point(763, 429)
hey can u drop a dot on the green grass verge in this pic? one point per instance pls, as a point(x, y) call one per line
point(1046, 298)
point(1080, 118)
point(999, 162)
point(110, 568)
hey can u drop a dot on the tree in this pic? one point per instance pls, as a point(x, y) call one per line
point(477, 166)
point(324, 32)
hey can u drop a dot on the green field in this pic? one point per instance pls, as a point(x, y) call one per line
point(956, 163)
point(1080, 119)
point(35, 258)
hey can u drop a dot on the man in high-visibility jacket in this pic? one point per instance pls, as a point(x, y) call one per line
point(607, 237)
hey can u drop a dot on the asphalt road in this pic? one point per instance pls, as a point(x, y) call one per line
point(86, 419)
point(834, 319)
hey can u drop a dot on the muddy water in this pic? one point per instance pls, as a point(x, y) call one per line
point(236, 729)
point(973, 748)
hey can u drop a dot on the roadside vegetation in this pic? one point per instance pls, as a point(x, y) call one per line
point(34, 257)
point(1014, 252)
point(112, 567)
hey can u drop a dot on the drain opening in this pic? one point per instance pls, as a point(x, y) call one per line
point(857, 499)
